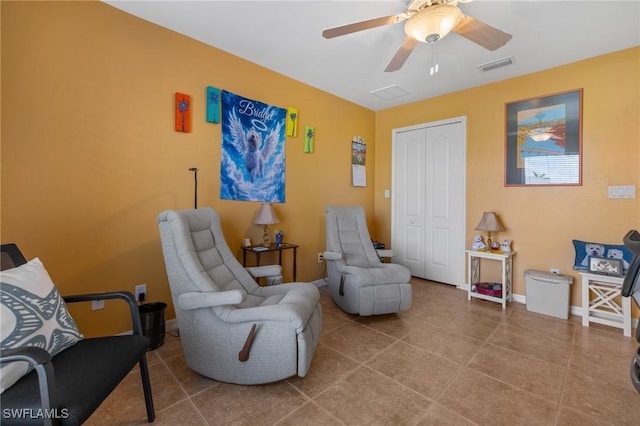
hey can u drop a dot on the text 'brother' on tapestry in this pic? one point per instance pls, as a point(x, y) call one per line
point(252, 160)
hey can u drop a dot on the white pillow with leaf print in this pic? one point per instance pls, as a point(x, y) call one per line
point(32, 313)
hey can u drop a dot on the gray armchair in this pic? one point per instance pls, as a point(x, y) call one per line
point(232, 329)
point(358, 281)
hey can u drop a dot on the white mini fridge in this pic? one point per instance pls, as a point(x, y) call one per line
point(548, 293)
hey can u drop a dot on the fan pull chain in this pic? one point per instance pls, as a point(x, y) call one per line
point(434, 59)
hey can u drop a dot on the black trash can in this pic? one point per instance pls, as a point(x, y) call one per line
point(152, 322)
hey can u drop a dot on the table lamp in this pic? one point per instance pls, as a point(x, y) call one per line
point(265, 216)
point(489, 223)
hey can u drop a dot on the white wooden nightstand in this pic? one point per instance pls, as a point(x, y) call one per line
point(604, 308)
point(473, 271)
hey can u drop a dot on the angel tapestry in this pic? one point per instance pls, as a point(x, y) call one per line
point(252, 160)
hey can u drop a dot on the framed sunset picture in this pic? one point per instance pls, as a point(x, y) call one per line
point(544, 140)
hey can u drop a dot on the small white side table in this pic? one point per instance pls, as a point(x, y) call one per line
point(604, 308)
point(473, 270)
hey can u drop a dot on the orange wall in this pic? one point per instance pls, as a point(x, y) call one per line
point(90, 157)
point(541, 221)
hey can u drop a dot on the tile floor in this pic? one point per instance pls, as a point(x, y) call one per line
point(445, 361)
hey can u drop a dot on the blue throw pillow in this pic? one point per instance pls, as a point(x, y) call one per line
point(585, 250)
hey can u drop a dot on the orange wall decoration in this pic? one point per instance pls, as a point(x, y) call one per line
point(183, 113)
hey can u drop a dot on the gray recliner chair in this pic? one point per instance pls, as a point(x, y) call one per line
point(232, 329)
point(358, 281)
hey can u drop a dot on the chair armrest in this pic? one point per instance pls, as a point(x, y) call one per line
point(30, 354)
point(268, 291)
point(295, 315)
point(363, 277)
point(385, 253)
point(272, 273)
point(40, 359)
point(265, 271)
point(332, 255)
point(197, 299)
point(350, 270)
point(295, 308)
point(123, 295)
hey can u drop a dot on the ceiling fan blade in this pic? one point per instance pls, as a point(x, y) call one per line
point(402, 54)
point(363, 25)
point(480, 33)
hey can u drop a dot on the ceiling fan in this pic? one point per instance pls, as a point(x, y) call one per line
point(428, 21)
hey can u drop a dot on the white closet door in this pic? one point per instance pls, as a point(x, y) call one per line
point(409, 201)
point(429, 200)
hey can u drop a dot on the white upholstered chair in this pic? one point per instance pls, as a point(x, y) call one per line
point(358, 281)
point(232, 329)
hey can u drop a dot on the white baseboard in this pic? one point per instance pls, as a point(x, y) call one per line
point(171, 325)
point(520, 298)
point(574, 310)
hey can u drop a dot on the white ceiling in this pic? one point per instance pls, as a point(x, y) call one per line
point(285, 36)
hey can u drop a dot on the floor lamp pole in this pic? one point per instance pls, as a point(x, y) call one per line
point(195, 191)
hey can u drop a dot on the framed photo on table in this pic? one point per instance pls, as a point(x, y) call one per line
point(543, 140)
point(606, 266)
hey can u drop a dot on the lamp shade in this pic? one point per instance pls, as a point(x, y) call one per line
point(433, 23)
point(266, 215)
point(489, 222)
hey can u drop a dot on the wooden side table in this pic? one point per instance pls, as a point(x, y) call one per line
point(604, 307)
point(258, 250)
point(473, 270)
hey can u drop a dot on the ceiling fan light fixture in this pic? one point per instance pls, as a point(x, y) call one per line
point(433, 23)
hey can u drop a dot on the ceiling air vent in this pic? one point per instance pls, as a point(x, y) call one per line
point(389, 92)
point(496, 64)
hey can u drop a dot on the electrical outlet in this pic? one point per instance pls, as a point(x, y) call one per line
point(97, 304)
point(554, 270)
point(141, 289)
point(320, 258)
